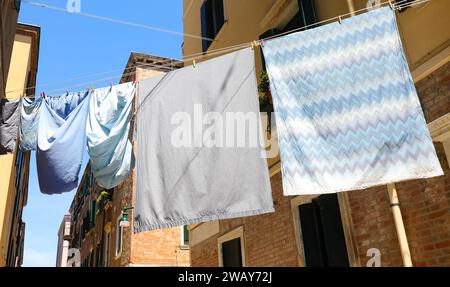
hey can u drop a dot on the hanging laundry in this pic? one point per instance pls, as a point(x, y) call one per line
point(65, 104)
point(181, 180)
point(61, 141)
point(9, 122)
point(29, 123)
point(347, 111)
point(108, 126)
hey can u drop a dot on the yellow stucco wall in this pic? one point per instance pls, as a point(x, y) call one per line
point(7, 193)
point(18, 70)
point(17, 80)
point(424, 28)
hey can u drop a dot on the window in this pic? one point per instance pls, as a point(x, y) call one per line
point(98, 254)
point(185, 235)
point(231, 249)
point(19, 163)
point(231, 253)
point(322, 232)
point(92, 213)
point(307, 13)
point(85, 227)
point(404, 2)
point(118, 236)
point(106, 254)
point(212, 19)
point(91, 258)
point(17, 4)
point(306, 16)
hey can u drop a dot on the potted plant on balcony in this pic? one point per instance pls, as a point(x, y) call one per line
point(265, 101)
point(103, 198)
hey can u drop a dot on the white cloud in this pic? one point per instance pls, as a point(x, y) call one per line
point(38, 258)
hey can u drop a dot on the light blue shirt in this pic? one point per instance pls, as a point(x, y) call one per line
point(107, 129)
point(61, 139)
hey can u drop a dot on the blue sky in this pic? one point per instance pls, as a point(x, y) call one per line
point(72, 46)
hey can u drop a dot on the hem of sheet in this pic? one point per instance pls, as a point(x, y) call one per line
point(368, 185)
point(142, 228)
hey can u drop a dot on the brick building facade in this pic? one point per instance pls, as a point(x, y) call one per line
point(359, 223)
point(270, 240)
point(96, 229)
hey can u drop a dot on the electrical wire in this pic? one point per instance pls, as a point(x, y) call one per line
point(168, 65)
point(340, 17)
point(88, 76)
point(117, 21)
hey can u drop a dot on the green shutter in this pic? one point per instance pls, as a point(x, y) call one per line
point(92, 212)
point(186, 235)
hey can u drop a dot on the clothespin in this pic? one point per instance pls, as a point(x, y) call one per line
point(193, 63)
point(261, 42)
point(255, 44)
point(340, 20)
point(391, 5)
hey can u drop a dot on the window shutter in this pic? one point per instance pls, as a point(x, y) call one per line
point(19, 161)
point(185, 235)
point(212, 19)
point(312, 236)
point(219, 15)
point(207, 24)
point(92, 213)
point(307, 12)
point(17, 4)
point(231, 253)
point(333, 232)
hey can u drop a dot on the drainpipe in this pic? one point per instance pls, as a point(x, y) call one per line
point(400, 227)
point(394, 201)
point(351, 7)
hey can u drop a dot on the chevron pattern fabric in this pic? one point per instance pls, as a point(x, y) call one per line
point(347, 111)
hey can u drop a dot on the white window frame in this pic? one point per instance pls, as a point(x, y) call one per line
point(119, 237)
point(182, 239)
point(234, 234)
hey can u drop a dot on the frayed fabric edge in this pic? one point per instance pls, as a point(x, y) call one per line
point(138, 228)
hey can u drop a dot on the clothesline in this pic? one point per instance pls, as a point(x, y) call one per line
point(397, 6)
point(117, 21)
point(370, 132)
point(168, 65)
point(79, 78)
point(200, 55)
